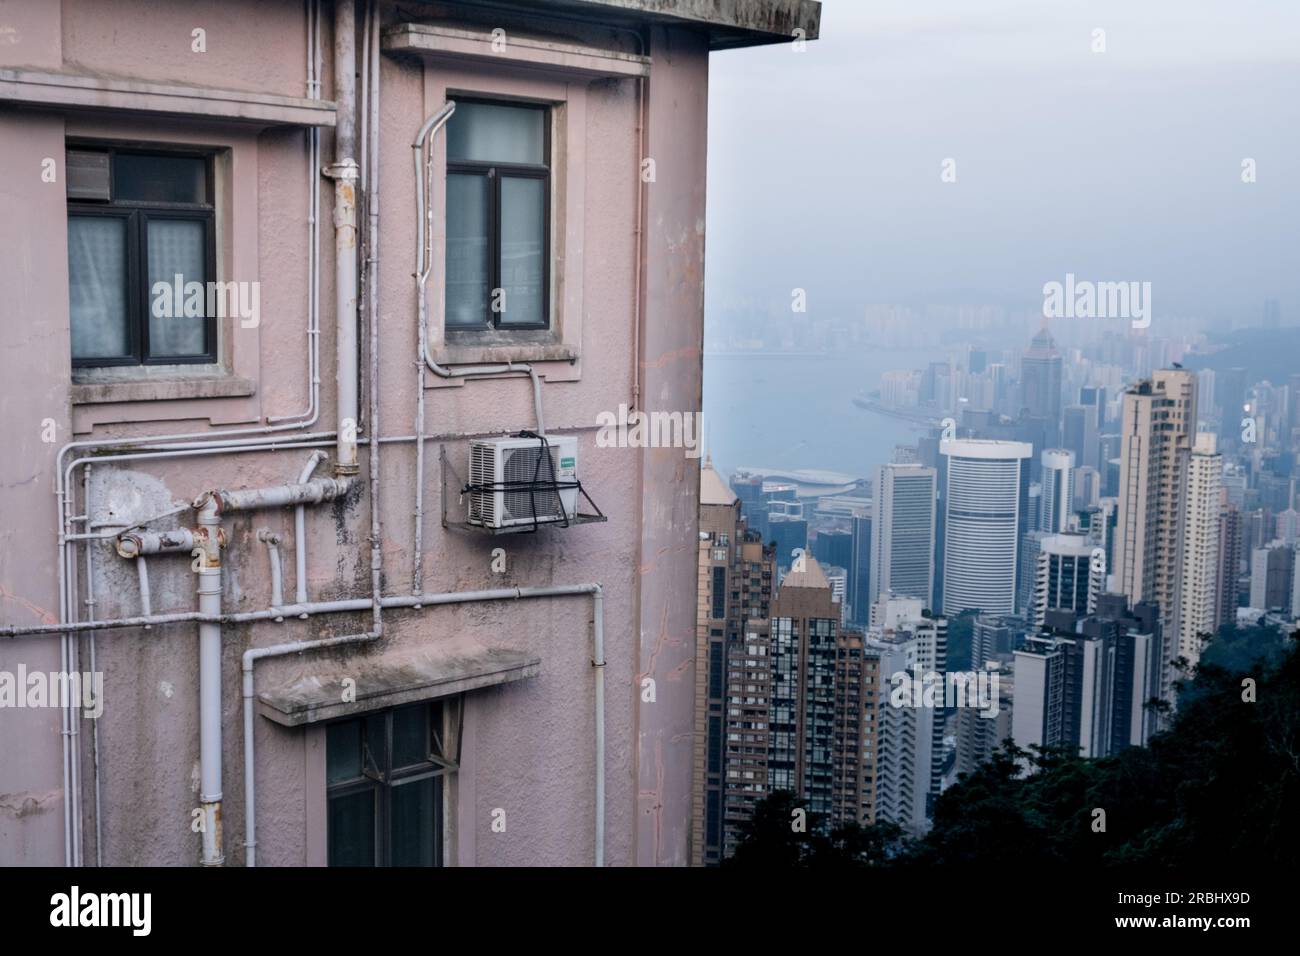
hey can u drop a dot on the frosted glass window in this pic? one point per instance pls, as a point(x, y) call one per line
point(467, 244)
point(177, 247)
point(496, 133)
point(97, 287)
point(523, 242)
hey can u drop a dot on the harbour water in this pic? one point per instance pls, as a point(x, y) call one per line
point(778, 410)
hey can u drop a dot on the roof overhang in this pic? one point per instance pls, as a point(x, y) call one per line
point(728, 23)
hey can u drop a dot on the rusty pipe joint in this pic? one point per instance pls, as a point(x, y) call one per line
point(210, 540)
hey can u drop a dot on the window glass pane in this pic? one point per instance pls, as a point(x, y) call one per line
point(493, 133)
point(177, 247)
point(467, 242)
point(343, 751)
point(374, 753)
point(97, 287)
point(523, 218)
point(440, 741)
point(159, 178)
point(414, 828)
point(410, 735)
point(351, 835)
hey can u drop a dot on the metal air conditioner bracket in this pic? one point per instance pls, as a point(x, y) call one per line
point(452, 483)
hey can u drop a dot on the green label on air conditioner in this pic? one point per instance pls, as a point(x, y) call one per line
point(567, 462)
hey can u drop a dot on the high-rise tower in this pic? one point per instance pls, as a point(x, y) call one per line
point(1159, 424)
point(986, 516)
point(902, 533)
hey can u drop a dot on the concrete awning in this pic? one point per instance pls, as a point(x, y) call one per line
point(384, 681)
point(727, 23)
point(75, 91)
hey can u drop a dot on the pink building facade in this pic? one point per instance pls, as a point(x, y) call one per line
point(428, 690)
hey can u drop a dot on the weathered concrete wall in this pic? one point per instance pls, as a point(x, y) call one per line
point(528, 747)
point(34, 375)
point(246, 44)
point(671, 379)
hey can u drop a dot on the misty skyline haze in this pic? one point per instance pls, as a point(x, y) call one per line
point(1117, 166)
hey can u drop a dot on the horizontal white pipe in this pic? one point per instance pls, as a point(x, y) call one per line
point(276, 496)
point(136, 543)
point(310, 609)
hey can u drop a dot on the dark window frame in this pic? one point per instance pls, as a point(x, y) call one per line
point(494, 172)
point(383, 780)
point(137, 214)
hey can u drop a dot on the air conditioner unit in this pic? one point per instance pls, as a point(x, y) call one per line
point(512, 481)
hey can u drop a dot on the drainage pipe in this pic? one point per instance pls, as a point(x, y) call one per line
point(146, 603)
point(344, 173)
point(376, 632)
point(372, 293)
point(313, 227)
point(300, 530)
point(135, 543)
point(210, 506)
point(272, 542)
point(74, 712)
point(276, 496)
point(208, 568)
point(423, 265)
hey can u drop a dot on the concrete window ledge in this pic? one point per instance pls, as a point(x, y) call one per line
point(392, 680)
point(161, 390)
point(104, 93)
point(487, 353)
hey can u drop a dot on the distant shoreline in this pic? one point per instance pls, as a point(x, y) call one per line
point(744, 353)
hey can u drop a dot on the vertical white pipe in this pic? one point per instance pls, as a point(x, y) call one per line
point(300, 530)
point(598, 661)
point(63, 735)
point(142, 573)
point(209, 575)
point(423, 266)
point(272, 542)
point(74, 711)
point(250, 782)
point(94, 667)
point(345, 234)
point(371, 148)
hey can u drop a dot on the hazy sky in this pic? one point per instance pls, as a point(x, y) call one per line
point(824, 166)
